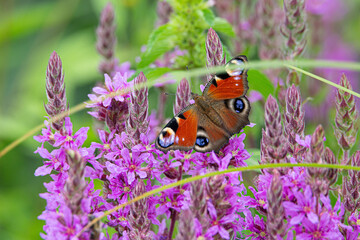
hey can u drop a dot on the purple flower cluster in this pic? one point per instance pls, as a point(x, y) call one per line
point(69, 197)
point(284, 203)
point(297, 201)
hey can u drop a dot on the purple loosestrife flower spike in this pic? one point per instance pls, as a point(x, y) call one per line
point(215, 191)
point(183, 96)
point(267, 25)
point(55, 91)
point(331, 174)
point(316, 176)
point(106, 39)
point(116, 115)
point(137, 122)
point(267, 22)
point(198, 202)
point(164, 11)
point(138, 215)
point(346, 116)
point(186, 226)
point(275, 212)
point(294, 119)
point(351, 186)
point(75, 183)
point(214, 50)
point(294, 28)
point(273, 144)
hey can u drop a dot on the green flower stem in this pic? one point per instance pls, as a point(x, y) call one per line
point(211, 174)
point(324, 80)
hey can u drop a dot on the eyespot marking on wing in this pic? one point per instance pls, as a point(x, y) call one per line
point(166, 137)
point(202, 141)
point(239, 105)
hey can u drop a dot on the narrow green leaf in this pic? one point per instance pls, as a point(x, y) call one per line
point(159, 34)
point(151, 74)
point(223, 26)
point(208, 16)
point(259, 82)
point(160, 41)
point(155, 73)
point(155, 52)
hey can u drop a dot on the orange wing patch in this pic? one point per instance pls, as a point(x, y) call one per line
point(232, 87)
point(186, 133)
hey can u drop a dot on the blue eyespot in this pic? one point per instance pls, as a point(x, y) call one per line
point(166, 138)
point(239, 105)
point(202, 141)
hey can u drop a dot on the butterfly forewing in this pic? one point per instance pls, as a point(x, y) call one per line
point(230, 84)
point(180, 132)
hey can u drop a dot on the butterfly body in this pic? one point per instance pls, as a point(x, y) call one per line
point(220, 112)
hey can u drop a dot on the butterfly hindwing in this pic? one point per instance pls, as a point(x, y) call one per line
point(213, 134)
point(210, 137)
point(180, 132)
point(229, 84)
point(234, 112)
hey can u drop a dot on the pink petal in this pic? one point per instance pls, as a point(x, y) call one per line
point(43, 170)
point(100, 90)
point(141, 174)
point(223, 233)
point(108, 82)
point(131, 177)
point(297, 219)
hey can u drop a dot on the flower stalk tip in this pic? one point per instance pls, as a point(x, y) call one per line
point(55, 91)
point(137, 121)
point(294, 119)
point(183, 96)
point(346, 116)
point(273, 143)
point(106, 39)
point(294, 28)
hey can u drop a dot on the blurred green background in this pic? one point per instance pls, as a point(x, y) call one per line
point(29, 32)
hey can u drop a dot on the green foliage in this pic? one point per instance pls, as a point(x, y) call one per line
point(260, 82)
point(186, 30)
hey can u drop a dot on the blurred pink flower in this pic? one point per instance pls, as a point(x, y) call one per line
point(330, 10)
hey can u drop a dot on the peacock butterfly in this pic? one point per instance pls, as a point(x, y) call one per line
point(220, 112)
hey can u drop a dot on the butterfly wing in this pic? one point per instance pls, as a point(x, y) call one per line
point(180, 132)
point(224, 119)
point(229, 109)
point(234, 113)
point(219, 113)
point(230, 84)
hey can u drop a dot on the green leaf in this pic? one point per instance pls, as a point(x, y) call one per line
point(223, 26)
point(227, 53)
point(255, 157)
point(160, 41)
point(260, 82)
point(151, 74)
point(208, 16)
point(155, 73)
